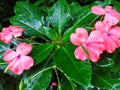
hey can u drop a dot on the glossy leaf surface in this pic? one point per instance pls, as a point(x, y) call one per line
point(28, 17)
point(41, 52)
point(60, 15)
point(78, 71)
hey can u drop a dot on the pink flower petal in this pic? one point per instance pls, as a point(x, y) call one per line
point(115, 31)
point(74, 39)
point(95, 36)
point(116, 41)
point(98, 10)
point(98, 26)
point(112, 12)
point(109, 45)
point(16, 67)
point(9, 55)
point(80, 54)
point(105, 27)
point(6, 35)
point(23, 48)
point(94, 55)
point(26, 62)
point(82, 34)
point(16, 31)
point(20, 63)
point(108, 8)
point(98, 47)
point(109, 19)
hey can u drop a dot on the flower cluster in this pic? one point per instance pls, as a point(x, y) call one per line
point(105, 36)
point(17, 61)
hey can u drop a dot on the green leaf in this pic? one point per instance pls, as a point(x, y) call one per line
point(3, 65)
point(60, 15)
point(24, 7)
point(27, 17)
point(116, 67)
point(40, 52)
point(50, 33)
point(38, 78)
point(74, 8)
point(108, 2)
point(101, 3)
point(78, 71)
point(106, 60)
point(39, 2)
point(106, 72)
point(103, 81)
point(116, 5)
point(67, 84)
point(44, 80)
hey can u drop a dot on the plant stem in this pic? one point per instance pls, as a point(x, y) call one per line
point(59, 87)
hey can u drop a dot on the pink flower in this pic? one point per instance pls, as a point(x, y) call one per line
point(110, 34)
point(93, 45)
point(19, 61)
point(7, 33)
point(112, 17)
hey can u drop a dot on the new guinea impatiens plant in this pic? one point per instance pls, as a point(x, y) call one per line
point(61, 45)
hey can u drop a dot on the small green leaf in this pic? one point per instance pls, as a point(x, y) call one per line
point(78, 71)
point(37, 81)
point(60, 15)
point(40, 52)
point(44, 80)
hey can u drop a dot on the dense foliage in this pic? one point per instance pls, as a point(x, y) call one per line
point(48, 26)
